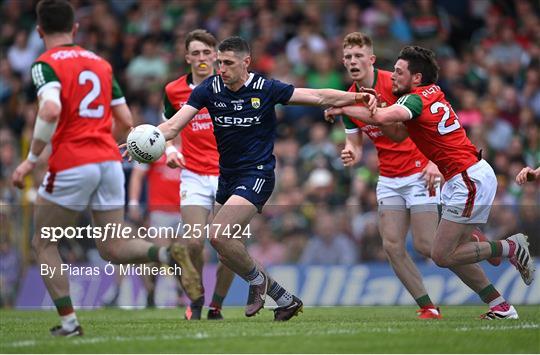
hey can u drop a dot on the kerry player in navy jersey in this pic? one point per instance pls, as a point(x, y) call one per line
point(241, 105)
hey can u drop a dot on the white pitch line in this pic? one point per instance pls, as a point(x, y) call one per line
point(284, 333)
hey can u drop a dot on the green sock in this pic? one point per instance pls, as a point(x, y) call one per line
point(153, 253)
point(424, 302)
point(489, 293)
point(64, 305)
point(496, 248)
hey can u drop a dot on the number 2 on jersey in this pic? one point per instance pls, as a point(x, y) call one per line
point(84, 109)
point(444, 127)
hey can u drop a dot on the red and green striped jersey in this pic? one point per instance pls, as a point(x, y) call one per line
point(395, 159)
point(436, 131)
point(87, 92)
point(198, 142)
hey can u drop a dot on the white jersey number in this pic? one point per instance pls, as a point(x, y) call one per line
point(84, 110)
point(443, 127)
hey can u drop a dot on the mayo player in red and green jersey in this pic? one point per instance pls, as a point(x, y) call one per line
point(200, 162)
point(82, 113)
point(407, 190)
point(470, 181)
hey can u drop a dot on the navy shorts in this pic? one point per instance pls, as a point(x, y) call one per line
point(255, 186)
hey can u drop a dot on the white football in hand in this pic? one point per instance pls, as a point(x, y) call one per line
point(146, 143)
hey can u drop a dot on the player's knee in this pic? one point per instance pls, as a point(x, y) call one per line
point(423, 248)
point(440, 259)
point(216, 243)
point(393, 249)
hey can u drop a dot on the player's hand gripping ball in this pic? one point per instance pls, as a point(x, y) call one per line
point(146, 143)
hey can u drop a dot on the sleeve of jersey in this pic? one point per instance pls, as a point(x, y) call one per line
point(412, 103)
point(350, 126)
point(168, 109)
point(281, 92)
point(117, 94)
point(198, 97)
point(43, 77)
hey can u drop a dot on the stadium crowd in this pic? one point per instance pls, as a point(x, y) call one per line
point(321, 212)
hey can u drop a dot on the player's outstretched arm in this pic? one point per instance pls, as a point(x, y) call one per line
point(396, 132)
point(528, 174)
point(174, 125)
point(331, 97)
point(122, 122)
point(380, 116)
point(47, 118)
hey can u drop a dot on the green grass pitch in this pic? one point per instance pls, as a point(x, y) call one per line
point(317, 330)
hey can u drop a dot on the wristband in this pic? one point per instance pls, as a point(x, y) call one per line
point(32, 158)
point(133, 203)
point(171, 149)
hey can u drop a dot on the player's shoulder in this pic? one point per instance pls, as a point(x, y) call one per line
point(384, 74)
point(68, 53)
point(383, 80)
point(178, 84)
point(259, 82)
point(213, 84)
point(428, 93)
point(267, 85)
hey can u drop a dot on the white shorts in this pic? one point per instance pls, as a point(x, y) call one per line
point(408, 192)
point(98, 185)
point(467, 197)
point(198, 190)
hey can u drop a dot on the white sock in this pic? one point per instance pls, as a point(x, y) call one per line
point(258, 280)
point(505, 248)
point(69, 322)
point(284, 300)
point(163, 256)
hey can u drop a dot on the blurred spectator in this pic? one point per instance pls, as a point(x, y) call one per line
point(326, 247)
point(506, 54)
point(324, 75)
point(319, 151)
point(266, 249)
point(469, 114)
point(10, 268)
point(21, 55)
point(306, 39)
point(498, 132)
point(147, 69)
point(429, 24)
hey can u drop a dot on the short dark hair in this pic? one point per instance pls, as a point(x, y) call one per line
point(201, 36)
point(421, 60)
point(234, 44)
point(55, 16)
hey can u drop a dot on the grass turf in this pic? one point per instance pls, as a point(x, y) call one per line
point(317, 330)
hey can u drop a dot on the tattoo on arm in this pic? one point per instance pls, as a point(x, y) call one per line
point(477, 247)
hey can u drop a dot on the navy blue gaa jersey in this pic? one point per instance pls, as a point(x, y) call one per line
point(244, 120)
